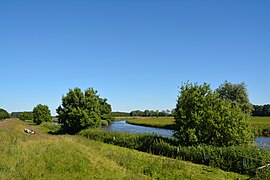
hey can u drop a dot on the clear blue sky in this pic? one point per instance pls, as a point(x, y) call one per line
point(135, 53)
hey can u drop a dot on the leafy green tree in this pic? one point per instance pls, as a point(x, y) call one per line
point(237, 93)
point(3, 114)
point(81, 110)
point(105, 110)
point(41, 113)
point(26, 116)
point(203, 117)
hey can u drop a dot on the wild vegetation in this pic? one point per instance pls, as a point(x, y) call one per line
point(145, 113)
point(3, 114)
point(43, 156)
point(240, 159)
point(80, 110)
point(203, 116)
point(261, 110)
point(41, 113)
point(212, 128)
point(261, 126)
point(25, 115)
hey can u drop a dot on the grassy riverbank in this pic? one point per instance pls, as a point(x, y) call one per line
point(164, 122)
point(44, 156)
point(260, 121)
point(261, 125)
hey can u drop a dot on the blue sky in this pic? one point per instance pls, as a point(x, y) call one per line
point(135, 53)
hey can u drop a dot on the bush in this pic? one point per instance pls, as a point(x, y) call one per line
point(203, 117)
point(41, 113)
point(80, 110)
point(104, 123)
point(51, 127)
point(26, 116)
point(240, 159)
point(3, 114)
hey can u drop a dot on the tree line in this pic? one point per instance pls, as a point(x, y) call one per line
point(261, 110)
point(145, 113)
point(150, 113)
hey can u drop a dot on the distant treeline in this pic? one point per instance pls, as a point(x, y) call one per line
point(261, 110)
point(120, 114)
point(26, 115)
point(258, 110)
point(145, 113)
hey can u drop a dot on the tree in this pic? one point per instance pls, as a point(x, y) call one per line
point(266, 110)
point(26, 116)
point(237, 93)
point(146, 113)
point(3, 114)
point(80, 110)
point(41, 113)
point(261, 110)
point(105, 110)
point(15, 114)
point(203, 117)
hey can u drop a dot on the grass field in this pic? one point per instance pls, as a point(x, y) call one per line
point(166, 122)
point(44, 156)
point(261, 126)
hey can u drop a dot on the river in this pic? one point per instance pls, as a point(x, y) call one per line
point(122, 126)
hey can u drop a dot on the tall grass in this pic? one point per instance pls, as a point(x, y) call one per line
point(238, 159)
point(43, 156)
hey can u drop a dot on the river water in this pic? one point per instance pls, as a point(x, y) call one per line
point(122, 126)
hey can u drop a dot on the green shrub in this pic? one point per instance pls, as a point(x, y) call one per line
point(51, 127)
point(41, 113)
point(104, 123)
point(26, 116)
point(203, 117)
point(81, 110)
point(3, 114)
point(240, 159)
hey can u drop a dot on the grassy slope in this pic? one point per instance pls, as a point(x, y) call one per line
point(43, 156)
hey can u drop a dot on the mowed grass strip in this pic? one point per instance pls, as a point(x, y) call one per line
point(43, 156)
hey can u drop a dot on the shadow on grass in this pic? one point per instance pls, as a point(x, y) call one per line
point(57, 132)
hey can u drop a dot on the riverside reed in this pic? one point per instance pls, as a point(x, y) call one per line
point(240, 159)
point(44, 156)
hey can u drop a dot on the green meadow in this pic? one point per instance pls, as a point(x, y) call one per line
point(44, 156)
point(164, 122)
